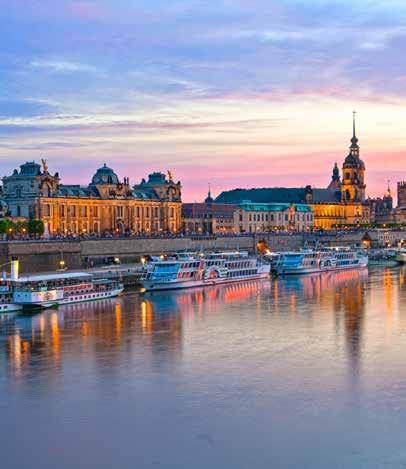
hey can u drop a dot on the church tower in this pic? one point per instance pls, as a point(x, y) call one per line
point(335, 183)
point(353, 185)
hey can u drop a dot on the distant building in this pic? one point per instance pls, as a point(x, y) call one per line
point(381, 209)
point(259, 217)
point(341, 203)
point(400, 211)
point(106, 204)
point(208, 217)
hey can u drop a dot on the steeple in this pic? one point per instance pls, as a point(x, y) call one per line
point(335, 182)
point(209, 199)
point(336, 173)
point(388, 192)
point(354, 140)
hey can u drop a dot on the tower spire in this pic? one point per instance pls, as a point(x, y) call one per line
point(354, 140)
point(353, 123)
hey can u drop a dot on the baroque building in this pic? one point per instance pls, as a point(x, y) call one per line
point(341, 203)
point(105, 205)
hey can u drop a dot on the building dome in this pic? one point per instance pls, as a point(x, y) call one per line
point(352, 161)
point(105, 175)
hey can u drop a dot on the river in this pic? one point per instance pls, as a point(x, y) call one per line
point(296, 372)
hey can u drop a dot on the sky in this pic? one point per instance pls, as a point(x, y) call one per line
point(231, 93)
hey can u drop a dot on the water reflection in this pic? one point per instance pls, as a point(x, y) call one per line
point(222, 361)
point(40, 342)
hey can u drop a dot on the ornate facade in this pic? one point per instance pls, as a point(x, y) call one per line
point(106, 205)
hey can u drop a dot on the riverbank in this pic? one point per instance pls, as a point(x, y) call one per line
point(46, 255)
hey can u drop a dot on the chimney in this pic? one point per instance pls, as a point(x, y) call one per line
point(15, 263)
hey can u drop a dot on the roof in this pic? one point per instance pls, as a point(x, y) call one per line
point(77, 191)
point(30, 168)
point(273, 207)
point(326, 195)
point(145, 193)
point(105, 175)
point(279, 195)
point(56, 276)
point(263, 195)
point(156, 178)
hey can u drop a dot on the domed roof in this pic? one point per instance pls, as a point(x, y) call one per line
point(105, 175)
point(354, 161)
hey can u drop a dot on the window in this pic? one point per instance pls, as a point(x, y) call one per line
point(95, 211)
point(156, 212)
point(120, 211)
point(18, 192)
point(62, 210)
point(83, 211)
point(47, 210)
point(72, 210)
point(172, 212)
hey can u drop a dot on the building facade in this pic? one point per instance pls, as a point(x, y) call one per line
point(208, 217)
point(261, 217)
point(399, 213)
point(105, 205)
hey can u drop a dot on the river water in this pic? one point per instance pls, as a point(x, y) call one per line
point(296, 372)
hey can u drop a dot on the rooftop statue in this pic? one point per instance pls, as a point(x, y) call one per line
point(44, 165)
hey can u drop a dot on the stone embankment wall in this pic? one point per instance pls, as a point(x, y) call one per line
point(41, 256)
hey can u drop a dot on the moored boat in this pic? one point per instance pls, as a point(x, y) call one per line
point(192, 270)
point(311, 261)
point(401, 256)
point(44, 291)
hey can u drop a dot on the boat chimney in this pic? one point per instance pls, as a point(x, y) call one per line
point(15, 263)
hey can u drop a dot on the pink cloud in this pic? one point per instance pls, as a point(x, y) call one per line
point(87, 10)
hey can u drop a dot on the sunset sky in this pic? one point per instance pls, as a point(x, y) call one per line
point(236, 93)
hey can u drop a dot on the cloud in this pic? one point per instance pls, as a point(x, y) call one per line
point(198, 80)
point(25, 108)
point(62, 66)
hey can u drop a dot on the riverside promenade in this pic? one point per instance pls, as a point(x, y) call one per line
point(46, 255)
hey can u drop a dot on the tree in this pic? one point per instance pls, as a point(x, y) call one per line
point(35, 227)
point(5, 226)
point(20, 227)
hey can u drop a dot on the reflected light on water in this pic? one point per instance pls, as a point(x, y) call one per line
point(257, 364)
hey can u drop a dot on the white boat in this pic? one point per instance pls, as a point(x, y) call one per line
point(6, 299)
point(310, 261)
point(401, 256)
point(44, 291)
point(188, 270)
